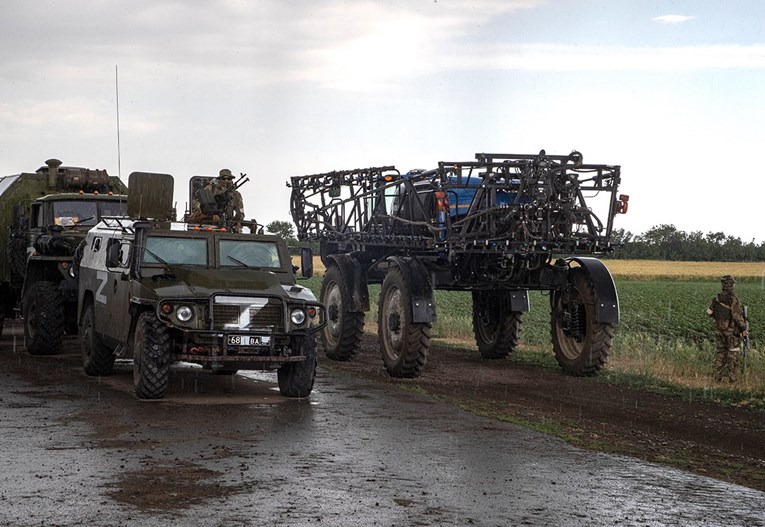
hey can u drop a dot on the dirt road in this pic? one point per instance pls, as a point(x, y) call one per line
point(723, 442)
point(361, 451)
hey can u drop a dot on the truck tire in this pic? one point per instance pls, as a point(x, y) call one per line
point(581, 344)
point(495, 327)
point(44, 318)
point(404, 344)
point(97, 359)
point(341, 337)
point(296, 378)
point(151, 357)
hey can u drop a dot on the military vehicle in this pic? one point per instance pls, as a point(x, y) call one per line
point(159, 292)
point(496, 227)
point(43, 217)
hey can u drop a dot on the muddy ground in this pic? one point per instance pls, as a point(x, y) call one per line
point(723, 442)
point(363, 449)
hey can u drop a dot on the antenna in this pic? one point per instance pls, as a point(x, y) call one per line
point(117, 89)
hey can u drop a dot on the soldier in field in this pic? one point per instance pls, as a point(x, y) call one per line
point(730, 328)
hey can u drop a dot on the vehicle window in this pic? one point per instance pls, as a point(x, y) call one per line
point(178, 251)
point(124, 254)
point(112, 208)
point(241, 253)
point(75, 213)
point(36, 215)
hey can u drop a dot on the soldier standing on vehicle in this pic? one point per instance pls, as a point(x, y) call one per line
point(231, 203)
point(730, 328)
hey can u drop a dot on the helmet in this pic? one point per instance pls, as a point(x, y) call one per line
point(727, 280)
point(225, 174)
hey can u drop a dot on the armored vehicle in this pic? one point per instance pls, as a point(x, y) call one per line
point(43, 217)
point(497, 227)
point(159, 292)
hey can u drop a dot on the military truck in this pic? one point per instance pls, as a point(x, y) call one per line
point(43, 217)
point(497, 227)
point(160, 292)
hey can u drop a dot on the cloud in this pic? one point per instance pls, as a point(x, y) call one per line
point(553, 57)
point(672, 19)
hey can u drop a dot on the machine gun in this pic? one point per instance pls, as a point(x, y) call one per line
point(746, 338)
point(215, 204)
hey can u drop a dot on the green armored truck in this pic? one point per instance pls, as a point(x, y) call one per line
point(159, 292)
point(44, 215)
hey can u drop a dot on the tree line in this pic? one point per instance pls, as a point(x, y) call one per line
point(662, 242)
point(666, 242)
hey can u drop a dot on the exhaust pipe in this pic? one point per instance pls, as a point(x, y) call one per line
point(53, 165)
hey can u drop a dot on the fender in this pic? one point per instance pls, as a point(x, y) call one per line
point(417, 280)
point(606, 298)
point(353, 277)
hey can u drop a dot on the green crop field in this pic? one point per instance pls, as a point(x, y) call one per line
point(665, 341)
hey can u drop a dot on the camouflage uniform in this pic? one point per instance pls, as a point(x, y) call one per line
point(235, 207)
point(730, 327)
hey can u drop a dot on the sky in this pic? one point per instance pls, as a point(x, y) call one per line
point(672, 91)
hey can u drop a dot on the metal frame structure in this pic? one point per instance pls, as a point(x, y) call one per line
point(507, 211)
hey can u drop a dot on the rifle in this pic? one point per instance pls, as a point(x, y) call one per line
point(746, 338)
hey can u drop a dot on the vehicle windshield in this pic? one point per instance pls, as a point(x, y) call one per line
point(112, 208)
point(249, 253)
point(67, 213)
point(177, 251)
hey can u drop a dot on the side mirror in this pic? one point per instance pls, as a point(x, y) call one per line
point(306, 262)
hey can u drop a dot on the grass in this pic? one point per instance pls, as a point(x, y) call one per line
point(664, 341)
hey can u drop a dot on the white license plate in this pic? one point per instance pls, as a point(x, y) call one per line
point(248, 340)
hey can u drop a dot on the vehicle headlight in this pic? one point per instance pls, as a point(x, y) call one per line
point(297, 316)
point(184, 313)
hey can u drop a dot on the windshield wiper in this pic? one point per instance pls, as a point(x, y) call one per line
point(83, 220)
point(240, 262)
point(168, 273)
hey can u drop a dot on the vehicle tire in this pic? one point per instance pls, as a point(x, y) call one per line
point(97, 359)
point(495, 327)
point(404, 344)
point(581, 344)
point(151, 357)
point(44, 318)
point(341, 337)
point(296, 378)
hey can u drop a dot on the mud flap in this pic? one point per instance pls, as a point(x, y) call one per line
point(418, 282)
point(606, 298)
point(519, 300)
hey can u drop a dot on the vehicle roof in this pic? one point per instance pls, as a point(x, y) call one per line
point(76, 196)
point(176, 228)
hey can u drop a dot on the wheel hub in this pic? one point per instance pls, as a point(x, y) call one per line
point(333, 313)
point(394, 322)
